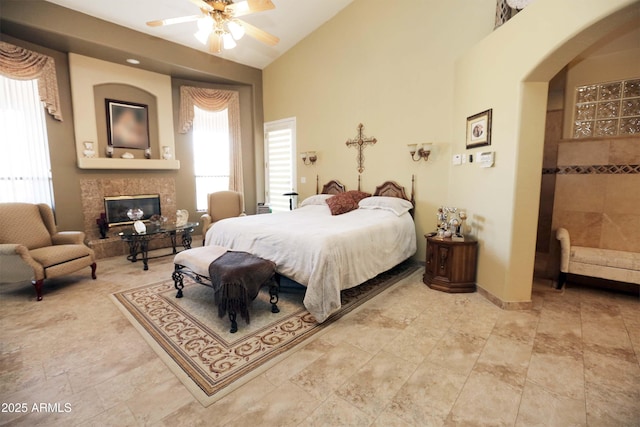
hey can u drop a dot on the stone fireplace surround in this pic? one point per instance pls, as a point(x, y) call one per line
point(93, 192)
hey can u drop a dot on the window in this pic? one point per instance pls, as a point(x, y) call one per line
point(280, 173)
point(210, 153)
point(25, 169)
point(607, 109)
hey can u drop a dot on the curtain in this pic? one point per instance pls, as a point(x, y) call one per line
point(216, 100)
point(25, 170)
point(211, 145)
point(22, 64)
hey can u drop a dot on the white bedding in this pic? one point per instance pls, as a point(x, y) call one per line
point(326, 253)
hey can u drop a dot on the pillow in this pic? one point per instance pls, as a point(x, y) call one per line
point(342, 203)
point(318, 199)
point(393, 204)
point(358, 195)
point(345, 202)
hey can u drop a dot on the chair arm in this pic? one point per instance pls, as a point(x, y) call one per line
point(68, 238)
point(23, 252)
point(206, 222)
point(565, 248)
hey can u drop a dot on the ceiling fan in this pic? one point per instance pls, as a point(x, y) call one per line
point(219, 26)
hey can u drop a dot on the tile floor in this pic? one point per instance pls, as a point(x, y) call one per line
point(410, 357)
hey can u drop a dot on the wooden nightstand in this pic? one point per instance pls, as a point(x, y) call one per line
point(451, 266)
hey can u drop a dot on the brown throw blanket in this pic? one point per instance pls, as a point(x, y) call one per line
point(237, 278)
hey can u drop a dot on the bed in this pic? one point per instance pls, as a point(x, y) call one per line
point(324, 252)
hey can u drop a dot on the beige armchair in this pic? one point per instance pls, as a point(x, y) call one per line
point(221, 205)
point(28, 231)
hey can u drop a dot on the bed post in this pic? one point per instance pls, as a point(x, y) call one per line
point(358, 182)
point(317, 184)
point(413, 189)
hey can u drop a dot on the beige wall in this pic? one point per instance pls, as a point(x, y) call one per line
point(614, 66)
point(414, 74)
point(390, 68)
point(54, 30)
point(87, 74)
point(599, 210)
point(62, 142)
point(509, 71)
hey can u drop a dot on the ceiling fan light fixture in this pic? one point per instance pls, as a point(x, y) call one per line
point(228, 42)
point(205, 27)
point(202, 36)
point(236, 29)
point(205, 23)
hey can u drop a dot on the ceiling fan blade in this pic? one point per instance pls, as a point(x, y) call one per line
point(202, 5)
point(215, 42)
point(171, 21)
point(259, 34)
point(250, 6)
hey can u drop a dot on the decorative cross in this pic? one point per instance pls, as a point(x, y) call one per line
point(360, 141)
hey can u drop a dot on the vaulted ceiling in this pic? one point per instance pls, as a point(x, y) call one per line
point(291, 21)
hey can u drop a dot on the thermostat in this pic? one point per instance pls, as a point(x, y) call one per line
point(485, 159)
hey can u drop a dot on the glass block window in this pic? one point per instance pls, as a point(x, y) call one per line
point(607, 109)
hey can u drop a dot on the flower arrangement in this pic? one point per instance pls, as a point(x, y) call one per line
point(450, 221)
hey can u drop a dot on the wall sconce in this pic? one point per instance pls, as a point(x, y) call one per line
point(423, 151)
point(311, 156)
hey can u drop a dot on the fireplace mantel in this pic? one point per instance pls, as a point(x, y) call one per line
point(107, 163)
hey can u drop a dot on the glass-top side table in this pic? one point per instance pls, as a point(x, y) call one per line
point(139, 242)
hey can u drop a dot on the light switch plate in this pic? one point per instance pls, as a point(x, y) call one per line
point(457, 159)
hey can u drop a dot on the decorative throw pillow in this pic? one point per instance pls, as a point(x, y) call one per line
point(358, 195)
point(345, 202)
point(341, 203)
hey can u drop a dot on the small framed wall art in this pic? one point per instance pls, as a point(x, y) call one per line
point(127, 124)
point(479, 129)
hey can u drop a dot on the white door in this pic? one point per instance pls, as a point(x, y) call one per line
point(280, 165)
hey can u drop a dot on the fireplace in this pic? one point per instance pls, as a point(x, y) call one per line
point(116, 207)
point(95, 190)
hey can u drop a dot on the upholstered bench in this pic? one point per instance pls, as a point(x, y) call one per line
point(594, 262)
point(236, 278)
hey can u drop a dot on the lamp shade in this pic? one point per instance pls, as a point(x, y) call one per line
point(228, 42)
point(236, 29)
point(412, 148)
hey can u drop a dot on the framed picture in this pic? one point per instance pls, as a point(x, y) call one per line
point(127, 124)
point(479, 130)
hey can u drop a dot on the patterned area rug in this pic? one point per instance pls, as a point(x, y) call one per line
point(197, 346)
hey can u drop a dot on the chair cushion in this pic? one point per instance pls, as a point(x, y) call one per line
point(225, 204)
point(21, 223)
point(606, 257)
point(59, 254)
point(199, 259)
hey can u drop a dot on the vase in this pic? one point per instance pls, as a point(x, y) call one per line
point(135, 214)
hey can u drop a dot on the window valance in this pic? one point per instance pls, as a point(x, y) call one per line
point(216, 100)
point(22, 64)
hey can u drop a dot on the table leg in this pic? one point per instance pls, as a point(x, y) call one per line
point(186, 239)
point(144, 250)
point(133, 250)
point(172, 235)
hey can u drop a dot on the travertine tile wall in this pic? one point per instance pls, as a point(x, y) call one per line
point(597, 192)
point(93, 194)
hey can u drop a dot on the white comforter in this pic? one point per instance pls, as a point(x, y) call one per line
point(326, 253)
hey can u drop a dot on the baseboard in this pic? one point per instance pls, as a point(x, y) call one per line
point(505, 305)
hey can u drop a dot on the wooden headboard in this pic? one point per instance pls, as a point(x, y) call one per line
point(393, 189)
point(332, 187)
